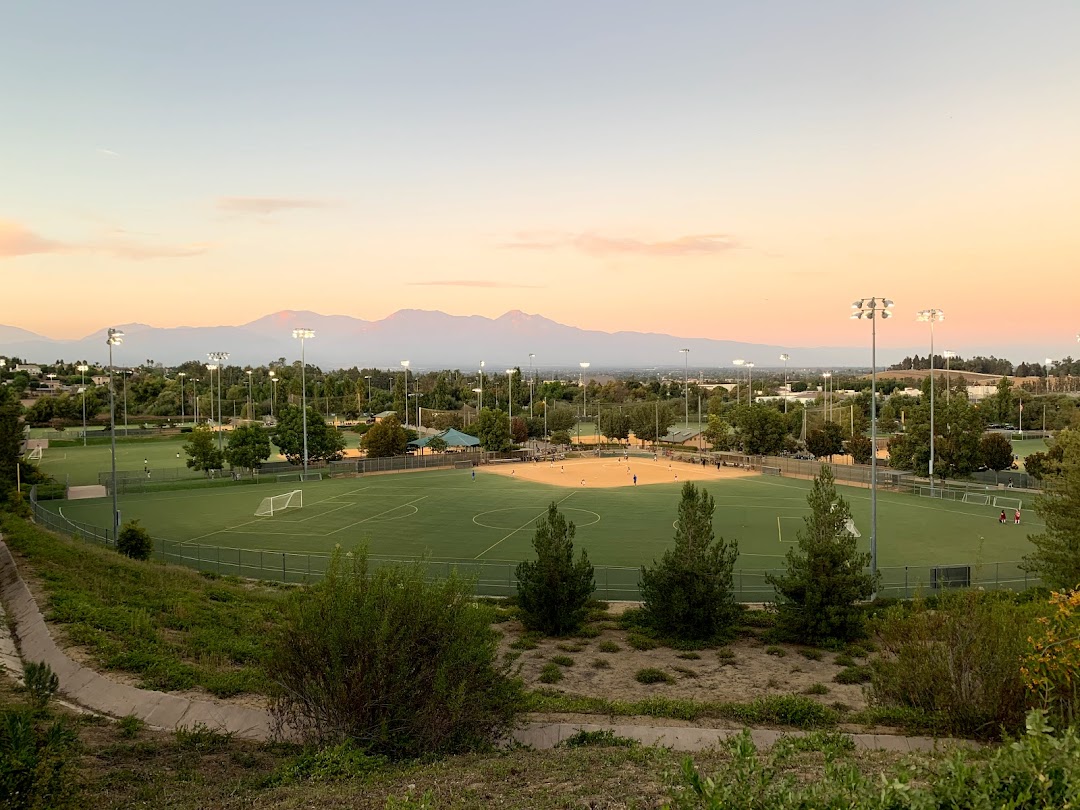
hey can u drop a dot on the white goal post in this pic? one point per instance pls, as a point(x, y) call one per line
point(35, 454)
point(977, 498)
point(279, 503)
point(1007, 503)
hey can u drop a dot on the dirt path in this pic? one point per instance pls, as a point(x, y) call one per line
point(612, 472)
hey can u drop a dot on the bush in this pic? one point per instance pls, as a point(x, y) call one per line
point(640, 641)
point(600, 663)
point(652, 675)
point(817, 597)
point(551, 673)
point(134, 541)
point(1051, 663)
point(401, 666)
point(851, 675)
point(37, 761)
point(604, 738)
point(40, 683)
point(554, 591)
point(608, 647)
point(816, 689)
point(844, 660)
point(960, 661)
point(779, 652)
point(688, 593)
point(562, 660)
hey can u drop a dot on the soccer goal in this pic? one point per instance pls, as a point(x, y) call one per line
point(36, 454)
point(463, 465)
point(770, 470)
point(316, 476)
point(279, 503)
point(929, 492)
point(282, 477)
point(1007, 503)
point(977, 498)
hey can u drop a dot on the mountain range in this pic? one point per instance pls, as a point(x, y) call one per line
point(429, 339)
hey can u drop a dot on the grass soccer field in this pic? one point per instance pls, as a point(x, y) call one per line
point(450, 516)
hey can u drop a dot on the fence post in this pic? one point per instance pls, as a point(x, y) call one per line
point(284, 577)
point(997, 575)
point(907, 592)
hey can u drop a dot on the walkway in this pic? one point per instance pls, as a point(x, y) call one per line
point(87, 688)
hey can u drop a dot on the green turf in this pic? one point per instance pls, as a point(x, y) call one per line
point(450, 516)
point(1025, 447)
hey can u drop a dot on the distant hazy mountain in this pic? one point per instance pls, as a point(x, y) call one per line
point(428, 339)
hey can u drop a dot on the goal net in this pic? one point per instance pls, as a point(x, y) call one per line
point(279, 503)
point(463, 465)
point(977, 498)
point(1007, 503)
point(35, 454)
point(311, 476)
point(770, 470)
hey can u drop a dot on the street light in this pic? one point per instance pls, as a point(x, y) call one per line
point(303, 334)
point(827, 376)
point(785, 358)
point(686, 384)
point(871, 309)
point(479, 392)
point(931, 316)
point(737, 362)
point(532, 380)
point(405, 365)
point(181, 375)
point(115, 338)
point(251, 411)
point(82, 368)
point(368, 378)
point(480, 400)
point(218, 358)
point(750, 383)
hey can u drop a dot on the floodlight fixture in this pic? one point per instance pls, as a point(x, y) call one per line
point(115, 338)
point(303, 334)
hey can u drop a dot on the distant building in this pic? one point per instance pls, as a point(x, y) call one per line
point(28, 368)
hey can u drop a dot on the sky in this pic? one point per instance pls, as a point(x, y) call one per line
point(704, 169)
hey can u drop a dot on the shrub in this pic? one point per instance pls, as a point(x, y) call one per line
point(725, 655)
point(38, 760)
point(640, 641)
point(553, 590)
point(40, 683)
point(1050, 665)
point(844, 660)
point(342, 761)
point(397, 664)
point(134, 541)
point(689, 656)
point(551, 673)
point(608, 647)
point(816, 689)
point(810, 654)
point(603, 738)
point(817, 598)
point(600, 663)
point(652, 675)
point(202, 738)
point(688, 593)
point(789, 710)
point(855, 674)
point(959, 661)
point(562, 660)
point(779, 652)
point(130, 726)
point(572, 648)
point(686, 672)
point(589, 631)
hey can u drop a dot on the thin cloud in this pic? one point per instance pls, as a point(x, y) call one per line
point(593, 244)
point(17, 240)
point(108, 153)
point(491, 285)
point(266, 205)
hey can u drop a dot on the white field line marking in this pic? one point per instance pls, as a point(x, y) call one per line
point(372, 517)
point(518, 529)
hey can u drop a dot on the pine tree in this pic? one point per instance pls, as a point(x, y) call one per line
point(816, 600)
point(1056, 559)
point(553, 591)
point(688, 594)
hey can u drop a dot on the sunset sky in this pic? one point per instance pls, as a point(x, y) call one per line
point(705, 169)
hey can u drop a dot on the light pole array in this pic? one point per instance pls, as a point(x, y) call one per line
point(737, 362)
point(304, 334)
point(785, 358)
point(510, 393)
point(686, 384)
point(115, 338)
point(872, 309)
point(931, 316)
point(82, 368)
point(405, 365)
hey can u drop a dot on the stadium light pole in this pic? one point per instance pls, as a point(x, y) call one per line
point(481, 399)
point(872, 309)
point(750, 384)
point(478, 392)
point(532, 380)
point(125, 403)
point(686, 384)
point(510, 393)
point(218, 358)
point(931, 316)
point(368, 378)
point(181, 375)
point(584, 393)
point(785, 358)
point(405, 365)
point(82, 368)
point(115, 338)
point(305, 334)
point(948, 380)
point(737, 362)
point(827, 376)
point(251, 412)
point(1049, 362)
point(273, 393)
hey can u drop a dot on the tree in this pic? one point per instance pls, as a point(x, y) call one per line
point(652, 420)
point(615, 424)
point(958, 426)
point(201, 449)
point(760, 429)
point(560, 437)
point(1039, 465)
point(519, 430)
point(860, 448)
point(437, 444)
point(385, 438)
point(249, 446)
point(688, 594)
point(718, 433)
point(561, 419)
point(1056, 559)
point(816, 599)
point(324, 442)
point(10, 442)
point(996, 451)
point(553, 590)
point(493, 430)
